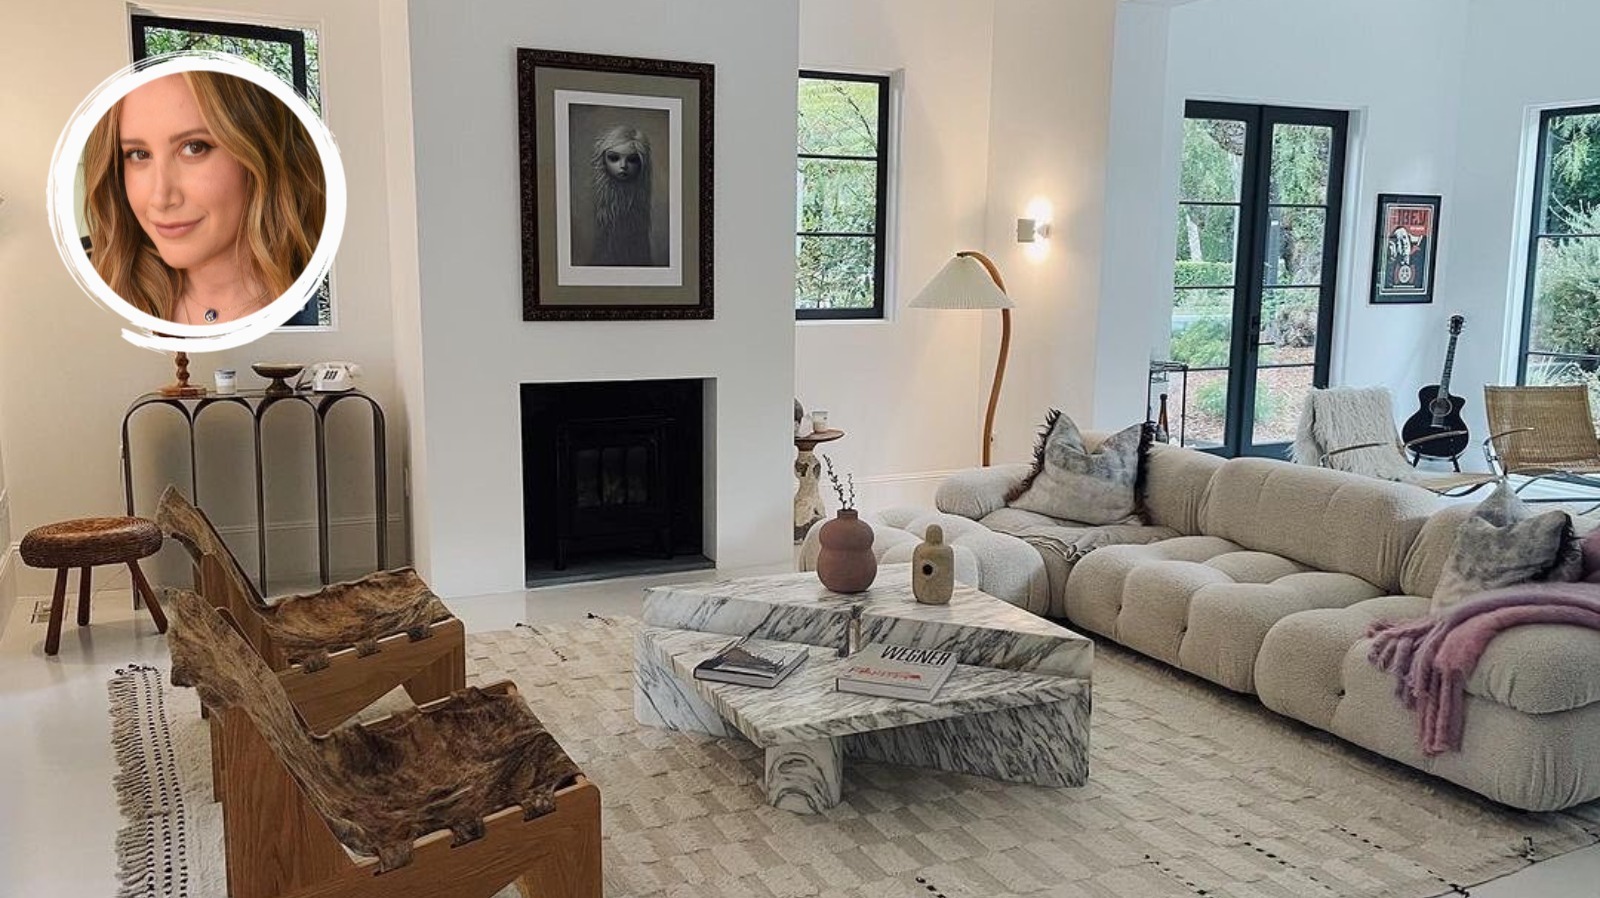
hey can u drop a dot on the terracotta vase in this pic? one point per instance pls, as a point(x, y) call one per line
point(846, 563)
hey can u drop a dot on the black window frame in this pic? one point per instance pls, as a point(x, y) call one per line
point(139, 25)
point(881, 225)
point(1249, 284)
point(1536, 232)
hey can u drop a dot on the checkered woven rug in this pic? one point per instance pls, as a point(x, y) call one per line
point(1193, 792)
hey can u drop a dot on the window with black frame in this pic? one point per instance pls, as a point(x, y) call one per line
point(841, 193)
point(1561, 308)
point(292, 54)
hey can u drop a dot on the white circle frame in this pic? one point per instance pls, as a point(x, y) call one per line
point(156, 333)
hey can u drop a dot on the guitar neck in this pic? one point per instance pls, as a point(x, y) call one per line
point(1449, 364)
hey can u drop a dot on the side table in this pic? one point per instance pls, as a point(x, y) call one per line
point(807, 496)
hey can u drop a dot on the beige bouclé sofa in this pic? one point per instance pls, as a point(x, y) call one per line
point(1263, 576)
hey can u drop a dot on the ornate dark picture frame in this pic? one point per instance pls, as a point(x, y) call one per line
point(1405, 252)
point(617, 187)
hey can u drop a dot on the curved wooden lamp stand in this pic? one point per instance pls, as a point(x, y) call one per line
point(1000, 363)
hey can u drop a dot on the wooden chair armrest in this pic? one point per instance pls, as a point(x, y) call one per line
point(1491, 447)
point(1323, 460)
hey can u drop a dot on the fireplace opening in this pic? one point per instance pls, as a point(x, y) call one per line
point(613, 481)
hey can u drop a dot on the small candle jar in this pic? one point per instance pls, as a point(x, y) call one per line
point(819, 421)
point(227, 381)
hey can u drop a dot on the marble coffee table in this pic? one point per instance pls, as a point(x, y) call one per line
point(1017, 709)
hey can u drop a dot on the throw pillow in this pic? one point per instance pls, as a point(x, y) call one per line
point(1504, 543)
point(1072, 483)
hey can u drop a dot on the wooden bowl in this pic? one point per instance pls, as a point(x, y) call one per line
point(279, 373)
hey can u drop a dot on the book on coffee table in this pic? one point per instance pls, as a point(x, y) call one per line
point(895, 671)
point(752, 662)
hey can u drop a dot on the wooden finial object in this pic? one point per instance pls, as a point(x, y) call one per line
point(181, 386)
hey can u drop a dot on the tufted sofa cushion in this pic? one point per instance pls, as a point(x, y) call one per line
point(1328, 520)
point(1532, 703)
point(1200, 602)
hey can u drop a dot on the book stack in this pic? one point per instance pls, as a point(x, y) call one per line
point(894, 671)
point(752, 662)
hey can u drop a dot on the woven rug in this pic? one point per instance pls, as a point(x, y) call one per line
point(1193, 792)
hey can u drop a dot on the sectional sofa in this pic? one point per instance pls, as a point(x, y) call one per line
point(1262, 577)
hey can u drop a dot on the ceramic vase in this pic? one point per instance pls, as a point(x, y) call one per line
point(846, 563)
point(933, 568)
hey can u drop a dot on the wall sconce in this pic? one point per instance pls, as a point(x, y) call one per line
point(1032, 230)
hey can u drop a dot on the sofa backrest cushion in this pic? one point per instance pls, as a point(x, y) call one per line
point(1330, 520)
point(1425, 562)
point(1175, 483)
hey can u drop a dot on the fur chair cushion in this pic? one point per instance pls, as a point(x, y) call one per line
point(1071, 483)
point(1503, 543)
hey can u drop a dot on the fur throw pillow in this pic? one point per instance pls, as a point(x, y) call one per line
point(1072, 483)
point(1504, 543)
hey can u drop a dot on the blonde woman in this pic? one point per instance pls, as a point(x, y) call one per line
point(205, 197)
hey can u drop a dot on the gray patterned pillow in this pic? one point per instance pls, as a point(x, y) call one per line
point(1070, 482)
point(1504, 543)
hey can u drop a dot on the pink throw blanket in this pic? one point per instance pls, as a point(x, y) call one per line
point(1434, 656)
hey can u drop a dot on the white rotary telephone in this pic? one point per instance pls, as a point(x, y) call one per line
point(330, 377)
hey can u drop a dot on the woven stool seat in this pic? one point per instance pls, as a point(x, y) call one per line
point(86, 542)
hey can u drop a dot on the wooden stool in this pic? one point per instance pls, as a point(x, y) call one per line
point(83, 544)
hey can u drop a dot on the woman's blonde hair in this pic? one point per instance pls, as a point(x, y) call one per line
point(287, 195)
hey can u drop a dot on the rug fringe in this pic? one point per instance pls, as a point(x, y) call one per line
point(142, 873)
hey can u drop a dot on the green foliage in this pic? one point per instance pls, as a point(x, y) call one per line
point(274, 56)
point(1195, 273)
point(1211, 399)
point(1574, 172)
point(1203, 343)
point(837, 196)
point(1566, 309)
point(1293, 323)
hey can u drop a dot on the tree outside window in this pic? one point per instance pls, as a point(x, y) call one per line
point(1561, 330)
point(841, 180)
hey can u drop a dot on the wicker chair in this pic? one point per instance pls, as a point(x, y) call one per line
point(1372, 444)
point(336, 650)
point(1544, 433)
point(458, 797)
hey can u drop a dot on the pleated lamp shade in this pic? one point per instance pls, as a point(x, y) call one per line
point(963, 283)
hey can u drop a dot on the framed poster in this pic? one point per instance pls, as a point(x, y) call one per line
point(1406, 248)
point(616, 158)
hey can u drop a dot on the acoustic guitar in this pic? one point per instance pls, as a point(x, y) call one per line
point(1439, 412)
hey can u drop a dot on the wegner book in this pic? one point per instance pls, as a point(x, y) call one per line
point(752, 662)
point(895, 671)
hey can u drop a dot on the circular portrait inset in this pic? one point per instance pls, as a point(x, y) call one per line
point(200, 198)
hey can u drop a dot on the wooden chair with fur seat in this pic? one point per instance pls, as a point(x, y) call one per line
point(336, 650)
point(461, 796)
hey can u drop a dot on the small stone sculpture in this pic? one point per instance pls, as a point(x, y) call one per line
point(933, 568)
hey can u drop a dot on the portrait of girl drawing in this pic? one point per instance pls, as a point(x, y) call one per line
point(204, 197)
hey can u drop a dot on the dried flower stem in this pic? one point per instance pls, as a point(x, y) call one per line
point(847, 499)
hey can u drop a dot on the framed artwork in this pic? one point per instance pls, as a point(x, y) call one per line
point(616, 156)
point(1406, 248)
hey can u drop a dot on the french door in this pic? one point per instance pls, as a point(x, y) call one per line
point(1257, 259)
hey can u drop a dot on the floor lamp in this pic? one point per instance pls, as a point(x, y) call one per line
point(971, 281)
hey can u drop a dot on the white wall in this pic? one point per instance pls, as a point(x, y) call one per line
point(65, 373)
point(1404, 98)
point(476, 350)
point(1522, 55)
point(1048, 138)
point(1138, 184)
point(905, 389)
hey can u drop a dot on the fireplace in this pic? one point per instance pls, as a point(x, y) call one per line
point(613, 480)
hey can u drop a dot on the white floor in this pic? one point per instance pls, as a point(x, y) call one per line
point(58, 816)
